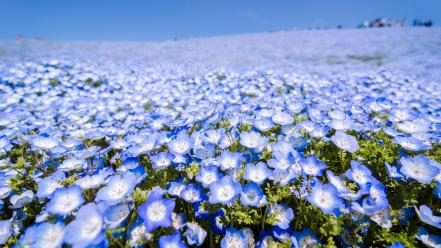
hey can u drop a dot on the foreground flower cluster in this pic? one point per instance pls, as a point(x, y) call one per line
point(93, 157)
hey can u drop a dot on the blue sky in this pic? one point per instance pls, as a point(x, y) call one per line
point(168, 19)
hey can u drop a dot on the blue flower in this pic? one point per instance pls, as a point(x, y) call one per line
point(136, 233)
point(312, 166)
point(72, 164)
point(391, 132)
point(142, 144)
point(402, 114)
point(296, 106)
point(282, 160)
point(207, 175)
point(195, 234)
point(156, 211)
point(44, 142)
point(139, 173)
point(264, 124)
point(162, 160)
point(234, 238)
point(216, 224)
point(265, 237)
point(181, 144)
point(430, 240)
point(173, 240)
point(176, 188)
point(426, 216)
point(115, 215)
point(316, 114)
point(252, 195)
point(305, 238)
point(382, 218)
point(257, 173)
point(413, 126)
point(345, 142)
point(5, 191)
point(91, 182)
point(359, 174)
point(178, 221)
point(213, 136)
point(307, 126)
point(19, 201)
point(298, 141)
point(370, 206)
point(181, 159)
point(337, 182)
point(205, 153)
point(342, 125)
point(377, 192)
point(117, 189)
point(393, 172)
point(71, 144)
point(325, 197)
point(249, 235)
point(43, 235)
point(200, 210)
point(437, 190)
point(353, 196)
point(229, 160)
point(5, 144)
point(86, 229)
point(253, 140)
point(284, 177)
point(410, 143)
point(224, 191)
point(118, 144)
point(130, 163)
point(283, 148)
point(282, 118)
point(192, 193)
point(48, 185)
point(282, 215)
point(65, 200)
point(419, 168)
point(228, 139)
point(319, 131)
point(283, 235)
point(5, 230)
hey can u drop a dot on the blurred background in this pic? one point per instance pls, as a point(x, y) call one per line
point(138, 20)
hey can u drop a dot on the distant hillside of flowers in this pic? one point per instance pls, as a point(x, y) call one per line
point(104, 153)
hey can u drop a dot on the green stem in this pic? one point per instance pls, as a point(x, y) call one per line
point(264, 217)
point(119, 243)
point(300, 205)
point(341, 160)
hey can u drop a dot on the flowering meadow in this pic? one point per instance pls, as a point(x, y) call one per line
point(316, 141)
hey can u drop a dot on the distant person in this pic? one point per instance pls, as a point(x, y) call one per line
point(19, 38)
point(428, 24)
point(418, 23)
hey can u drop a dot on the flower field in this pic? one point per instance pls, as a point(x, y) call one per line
point(292, 139)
